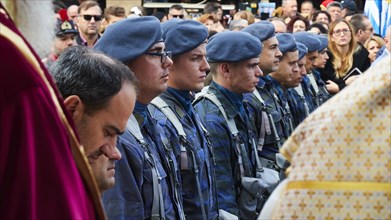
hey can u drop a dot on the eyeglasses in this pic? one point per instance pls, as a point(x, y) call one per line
point(163, 55)
point(89, 17)
point(344, 31)
point(177, 16)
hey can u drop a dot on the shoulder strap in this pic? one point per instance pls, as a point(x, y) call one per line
point(158, 203)
point(169, 113)
point(230, 121)
point(240, 148)
point(265, 125)
point(299, 90)
point(313, 83)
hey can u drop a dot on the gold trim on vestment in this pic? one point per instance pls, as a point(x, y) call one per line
point(348, 186)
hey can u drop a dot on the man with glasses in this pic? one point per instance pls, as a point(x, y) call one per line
point(176, 11)
point(363, 28)
point(88, 22)
point(147, 175)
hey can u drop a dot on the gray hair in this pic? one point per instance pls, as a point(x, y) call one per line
point(238, 24)
point(94, 77)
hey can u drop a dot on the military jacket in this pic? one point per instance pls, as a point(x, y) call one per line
point(273, 108)
point(298, 106)
point(227, 170)
point(280, 97)
point(198, 145)
point(310, 94)
point(323, 95)
point(132, 195)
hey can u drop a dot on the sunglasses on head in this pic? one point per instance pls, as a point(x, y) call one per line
point(89, 17)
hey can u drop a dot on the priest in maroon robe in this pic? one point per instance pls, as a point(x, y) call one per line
point(43, 172)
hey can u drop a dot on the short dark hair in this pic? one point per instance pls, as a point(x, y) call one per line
point(320, 26)
point(357, 21)
point(211, 7)
point(289, 26)
point(321, 12)
point(94, 77)
point(86, 5)
point(177, 7)
point(114, 11)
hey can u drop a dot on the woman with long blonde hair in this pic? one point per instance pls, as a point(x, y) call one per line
point(345, 56)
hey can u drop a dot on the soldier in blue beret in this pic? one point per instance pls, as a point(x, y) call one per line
point(321, 60)
point(233, 58)
point(280, 82)
point(270, 56)
point(186, 39)
point(261, 101)
point(311, 91)
point(147, 176)
point(298, 104)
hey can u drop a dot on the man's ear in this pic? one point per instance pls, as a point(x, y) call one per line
point(225, 69)
point(75, 107)
point(360, 32)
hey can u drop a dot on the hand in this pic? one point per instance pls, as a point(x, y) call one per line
point(332, 87)
point(351, 79)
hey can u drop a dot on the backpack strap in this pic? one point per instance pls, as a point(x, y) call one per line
point(269, 121)
point(299, 91)
point(157, 204)
point(169, 113)
point(241, 151)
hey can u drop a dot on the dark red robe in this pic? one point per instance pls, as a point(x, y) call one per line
point(43, 173)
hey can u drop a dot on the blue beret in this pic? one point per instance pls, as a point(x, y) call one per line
point(165, 25)
point(184, 36)
point(303, 50)
point(309, 40)
point(232, 46)
point(262, 30)
point(127, 39)
point(324, 41)
point(286, 42)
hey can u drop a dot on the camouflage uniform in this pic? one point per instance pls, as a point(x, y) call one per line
point(280, 97)
point(323, 94)
point(132, 195)
point(228, 171)
point(180, 103)
point(301, 105)
point(272, 107)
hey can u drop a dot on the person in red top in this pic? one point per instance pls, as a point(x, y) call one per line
point(43, 172)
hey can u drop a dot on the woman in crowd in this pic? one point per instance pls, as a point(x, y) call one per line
point(298, 23)
point(246, 15)
point(207, 20)
point(347, 59)
point(321, 16)
point(373, 45)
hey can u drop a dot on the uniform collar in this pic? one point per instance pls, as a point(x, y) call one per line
point(183, 97)
point(232, 102)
